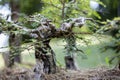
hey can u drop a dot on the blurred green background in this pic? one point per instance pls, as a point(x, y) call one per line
point(93, 51)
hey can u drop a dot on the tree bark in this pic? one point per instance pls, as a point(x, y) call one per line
point(44, 54)
point(70, 55)
point(15, 8)
point(70, 63)
point(6, 58)
point(14, 39)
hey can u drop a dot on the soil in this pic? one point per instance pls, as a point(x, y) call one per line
point(62, 74)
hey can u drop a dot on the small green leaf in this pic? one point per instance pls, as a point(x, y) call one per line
point(107, 61)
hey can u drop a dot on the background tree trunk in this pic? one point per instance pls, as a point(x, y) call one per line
point(70, 63)
point(14, 40)
point(6, 58)
point(71, 49)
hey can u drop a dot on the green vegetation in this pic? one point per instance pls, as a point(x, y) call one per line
point(93, 51)
point(62, 33)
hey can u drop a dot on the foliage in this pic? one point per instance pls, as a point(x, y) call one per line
point(27, 7)
point(32, 21)
point(110, 10)
point(30, 6)
point(59, 10)
point(65, 15)
point(112, 28)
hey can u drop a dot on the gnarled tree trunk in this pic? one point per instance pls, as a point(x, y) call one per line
point(45, 57)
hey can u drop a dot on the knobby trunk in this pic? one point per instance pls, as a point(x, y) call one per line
point(45, 54)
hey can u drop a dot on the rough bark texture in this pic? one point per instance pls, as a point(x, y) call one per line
point(70, 63)
point(38, 70)
point(44, 54)
point(71, 51)
point(6, 58)
point(15, 39)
